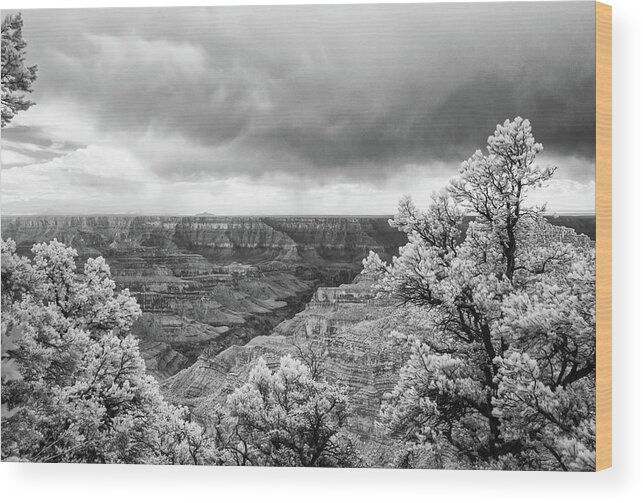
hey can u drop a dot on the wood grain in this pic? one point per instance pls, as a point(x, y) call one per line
point(603, 236)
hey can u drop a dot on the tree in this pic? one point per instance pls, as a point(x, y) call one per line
point(17, 77)
point(78, 391)
point(9, 368)
point(506, 376)
point(285, 418)
point(313, 354)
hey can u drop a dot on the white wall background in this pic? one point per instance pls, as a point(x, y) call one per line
point(624, 482)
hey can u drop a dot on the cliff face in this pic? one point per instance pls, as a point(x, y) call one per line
point(227, 239)
point(345, 327)
point(206, 283)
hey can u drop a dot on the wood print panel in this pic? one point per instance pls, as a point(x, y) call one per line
point(604, 236)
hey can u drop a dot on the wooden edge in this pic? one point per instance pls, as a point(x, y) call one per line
point(603, 236)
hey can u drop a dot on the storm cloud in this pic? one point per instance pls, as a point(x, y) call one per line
point(303, 95)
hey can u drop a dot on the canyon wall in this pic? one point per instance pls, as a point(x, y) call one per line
point(206, 283)
point(345, 329)
point(304, 240)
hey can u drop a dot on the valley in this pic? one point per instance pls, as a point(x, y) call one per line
point(217, 292)
point(206, 283)
point(342, 332)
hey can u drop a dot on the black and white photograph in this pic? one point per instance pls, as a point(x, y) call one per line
point(350, 236)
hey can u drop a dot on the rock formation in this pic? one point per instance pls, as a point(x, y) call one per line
point(345, 329)
point(205, 283)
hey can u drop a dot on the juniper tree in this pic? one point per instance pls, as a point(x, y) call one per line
point(284, 418)
point(78, 391)
point(506, 377)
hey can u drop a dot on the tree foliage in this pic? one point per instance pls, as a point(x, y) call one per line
point(78, 391)
point(506, 378)
point(17, 77)
point(284, 418)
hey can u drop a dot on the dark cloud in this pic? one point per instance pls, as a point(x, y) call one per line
point(33, 144)
point(322, 91)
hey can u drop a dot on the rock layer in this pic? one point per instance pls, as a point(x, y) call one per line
point(345, 329)
point(206, 283)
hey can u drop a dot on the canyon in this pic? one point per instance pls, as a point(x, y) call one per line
point(217, 293)
point(205, 283)
point(343, 334)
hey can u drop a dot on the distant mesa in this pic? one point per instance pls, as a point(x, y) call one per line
point(205, 214)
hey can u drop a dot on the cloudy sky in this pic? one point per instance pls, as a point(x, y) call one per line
point(293, 110)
